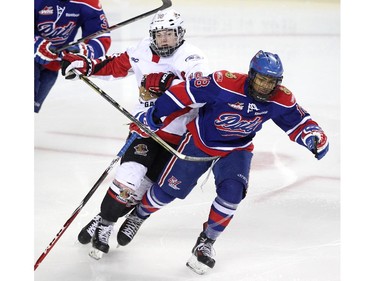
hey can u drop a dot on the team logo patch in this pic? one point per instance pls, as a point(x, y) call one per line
point(230, 75)
point(46, 11)
point(285, 90)
point(219, 76)
point(141, 149)
point(252, 107)
point(238, 105)
point(173, 182)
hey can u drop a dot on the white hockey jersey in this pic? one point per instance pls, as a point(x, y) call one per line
point(186, 62)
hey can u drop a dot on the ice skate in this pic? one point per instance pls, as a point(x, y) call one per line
point(100, 241)
point(201, 260)
point(129, 228)
point(84, 237)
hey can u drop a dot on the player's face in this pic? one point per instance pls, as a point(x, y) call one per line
point(166, 38)
point(263, 84)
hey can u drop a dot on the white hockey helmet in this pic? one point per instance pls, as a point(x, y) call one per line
point(167, 20)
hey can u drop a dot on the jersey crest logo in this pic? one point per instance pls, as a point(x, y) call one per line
point(238, 105)
point(230, 75)
point(141, 149)
point(230, 124)
point(46, 11)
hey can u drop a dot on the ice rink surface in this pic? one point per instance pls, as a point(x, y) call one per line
point(288, 226)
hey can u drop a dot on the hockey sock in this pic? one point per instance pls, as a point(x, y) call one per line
point(153, 200)
point(111, 208)
point(230, 194)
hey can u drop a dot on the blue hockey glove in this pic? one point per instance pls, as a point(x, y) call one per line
point(82, 49)
point(43, 51)
point(315, 140)
point(147, 119)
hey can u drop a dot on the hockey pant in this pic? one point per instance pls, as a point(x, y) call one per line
point(140, 166)
point(44, 80)
point(179, 177)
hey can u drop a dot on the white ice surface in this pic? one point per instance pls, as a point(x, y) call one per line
point(288, 226)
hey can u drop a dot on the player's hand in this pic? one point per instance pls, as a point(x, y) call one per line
point(43, 51)
point(78, 62)
point(133, 128)
point(81, 49)
point(147, 119)
point(315, 140)
point(157, 83)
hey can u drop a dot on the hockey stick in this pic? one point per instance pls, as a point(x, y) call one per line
point(85, 200)
point(315, 148)
point(166, 4)
point(140, 124)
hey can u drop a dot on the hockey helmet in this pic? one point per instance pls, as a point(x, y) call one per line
point(167, 21)
point(265, 73)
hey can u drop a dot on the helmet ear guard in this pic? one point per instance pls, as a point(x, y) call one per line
point(167, 20)
point(265, 73)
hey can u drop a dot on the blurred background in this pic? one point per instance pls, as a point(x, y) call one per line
point(288, 226)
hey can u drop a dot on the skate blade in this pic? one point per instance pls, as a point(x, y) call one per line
point(96, 254)
point(196, 266)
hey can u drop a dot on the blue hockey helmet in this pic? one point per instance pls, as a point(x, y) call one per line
point(265, 73)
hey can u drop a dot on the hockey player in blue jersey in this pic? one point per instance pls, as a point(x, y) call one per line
point(56, 23)
point(232, 109)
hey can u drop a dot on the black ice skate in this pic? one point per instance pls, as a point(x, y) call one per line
point(84, 237)
point(100, 241)
point(203, 251)
point(129, 228)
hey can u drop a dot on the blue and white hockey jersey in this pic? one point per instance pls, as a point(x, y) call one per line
point(228, 117)
point(59, 21)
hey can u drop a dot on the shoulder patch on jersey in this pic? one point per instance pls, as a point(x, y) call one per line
point(233, 82)
point(284, 96)
point(230, 75)
point(193, 57)
point(285, 90)
point(218, 75)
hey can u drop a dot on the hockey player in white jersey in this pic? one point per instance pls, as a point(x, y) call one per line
point(157, 60)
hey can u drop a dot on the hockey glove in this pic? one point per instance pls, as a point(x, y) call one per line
point(315, 140)
point(82, 49)
point(79, 62)
point(157, 83)
point(43, 51)
point(147, 119)
point(133, 128)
